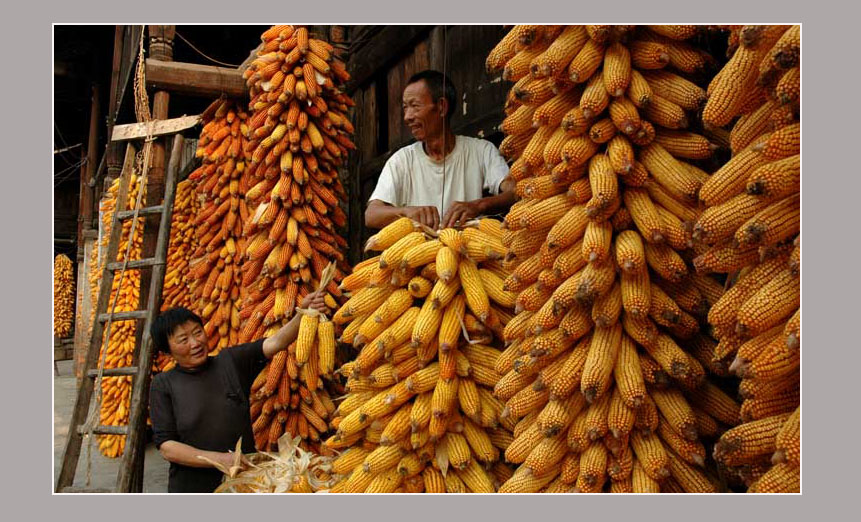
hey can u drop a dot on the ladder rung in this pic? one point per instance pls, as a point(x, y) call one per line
point(114, 372)
point(78, 489)
point(123, 316)
point(137, 263)
point(145, 211)
point(105, 430)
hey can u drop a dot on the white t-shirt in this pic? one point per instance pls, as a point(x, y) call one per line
point(412, 178)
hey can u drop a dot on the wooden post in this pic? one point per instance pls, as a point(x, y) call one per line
point(115, 150)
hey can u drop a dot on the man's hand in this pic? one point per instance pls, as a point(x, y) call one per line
point(427, 216)
point(460, 212)
point(314, 301)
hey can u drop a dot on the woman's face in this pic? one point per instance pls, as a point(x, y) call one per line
point(188, 345)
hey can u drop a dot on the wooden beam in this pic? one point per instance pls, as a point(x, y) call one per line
point(385, 47)
point(206, 81)
point(132, 131)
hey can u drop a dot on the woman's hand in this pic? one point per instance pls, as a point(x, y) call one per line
point(314, 301)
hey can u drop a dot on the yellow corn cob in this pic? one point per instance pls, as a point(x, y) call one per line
point(651, 455)
point(641, 482)
point(617, 69)
point(390, 234)
point(600, 361)
point(750, 440)
point(772, 303)
point(553, 61)
point(645, 215)
point(668, 172)
point(675, 89)
point(788, 441)
point(585, 62)
point(647, 56)
point(593, 466)
point(777, 222)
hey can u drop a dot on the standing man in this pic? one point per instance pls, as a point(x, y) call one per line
point(200, 408)
point(439, 180)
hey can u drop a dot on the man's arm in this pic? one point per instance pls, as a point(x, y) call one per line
point(288, 333)
point(181, 453)
point(379, 214)
point(462, 211)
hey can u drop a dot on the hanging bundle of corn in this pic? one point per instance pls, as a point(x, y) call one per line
point(605, 369)
point(216, 259)
point(64, 295)
point(299, 135)
point(116, 391)
point(428, 315)
point(183, 241)
point(290, 397)
point(751, 230)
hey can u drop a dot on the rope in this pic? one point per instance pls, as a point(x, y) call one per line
point(142, 162)
point(445, 116)
point(213, 60)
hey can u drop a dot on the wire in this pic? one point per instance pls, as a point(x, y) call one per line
point(444, 132)
point(181, 37)
point(67, 149)
point(63, 140)
point(68, 173)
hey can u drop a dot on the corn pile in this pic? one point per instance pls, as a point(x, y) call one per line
point(288, 470)
point(420, 415)
point(605, 371)
point(216, 259)
point(298, 133)
point(64, 296)
point(116, 391)
point(750, 229)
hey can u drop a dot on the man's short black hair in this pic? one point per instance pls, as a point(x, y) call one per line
point(167, 322)
point(440, 87)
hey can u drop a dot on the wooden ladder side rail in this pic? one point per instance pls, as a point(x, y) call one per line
point(72, 450)
point(133, 455)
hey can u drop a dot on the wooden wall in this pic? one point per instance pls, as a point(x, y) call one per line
point(381, 61)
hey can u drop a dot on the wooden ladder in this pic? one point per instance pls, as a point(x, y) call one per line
point(130, 474)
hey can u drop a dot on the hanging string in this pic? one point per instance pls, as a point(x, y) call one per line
point(445, 116)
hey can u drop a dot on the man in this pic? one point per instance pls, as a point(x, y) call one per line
point(201, 407)
point(439, 180)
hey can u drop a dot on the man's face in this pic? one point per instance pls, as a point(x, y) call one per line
point(422, 114)
point(188, 345)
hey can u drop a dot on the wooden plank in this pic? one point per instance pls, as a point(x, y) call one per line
point(133, 131)
point(394, 113)
point(436, 48)
point(368, 122)
point(205, 81)
point(384, 48)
